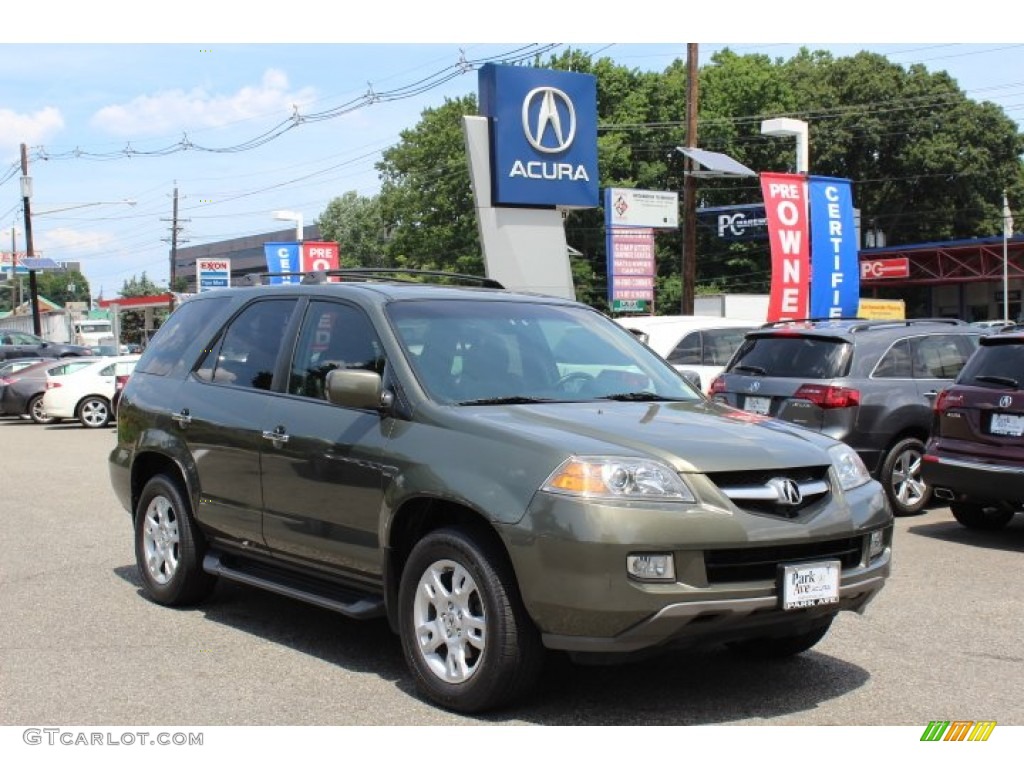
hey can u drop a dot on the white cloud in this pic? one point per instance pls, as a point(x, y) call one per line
point(58, 243)
point(175, 111)
point(30, 129)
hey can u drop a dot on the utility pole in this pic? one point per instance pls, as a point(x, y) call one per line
point(33, 287)
point(689, 265)
point(174, 240)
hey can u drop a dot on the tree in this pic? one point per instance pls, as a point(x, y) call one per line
point(140, 286)
point(356, 224)
point(61, 286)
point(133, 322)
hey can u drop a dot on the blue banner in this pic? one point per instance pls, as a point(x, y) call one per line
point(282, 257)
point(835, 272)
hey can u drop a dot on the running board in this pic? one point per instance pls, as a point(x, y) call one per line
point(356, 605)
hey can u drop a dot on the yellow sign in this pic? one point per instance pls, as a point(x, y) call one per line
point(882, 309)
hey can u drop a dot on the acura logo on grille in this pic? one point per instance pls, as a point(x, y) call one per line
point(1005, 401)
point(548, 116)
point(787, 491)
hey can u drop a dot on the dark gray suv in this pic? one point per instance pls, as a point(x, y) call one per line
point(870, 384)
point(497, 474)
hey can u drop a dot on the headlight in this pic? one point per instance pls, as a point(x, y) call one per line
point(848, 466)
point(614, 477)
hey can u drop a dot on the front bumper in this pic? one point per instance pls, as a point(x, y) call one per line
point(570, 559)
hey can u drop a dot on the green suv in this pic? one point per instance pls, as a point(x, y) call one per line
point(497, 474)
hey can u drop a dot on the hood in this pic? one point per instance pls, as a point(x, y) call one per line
point(692, 437)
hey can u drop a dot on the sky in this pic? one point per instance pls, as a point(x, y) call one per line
point(106, 108)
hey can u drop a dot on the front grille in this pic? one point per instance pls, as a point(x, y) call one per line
point(753, 490)
point(726, 566)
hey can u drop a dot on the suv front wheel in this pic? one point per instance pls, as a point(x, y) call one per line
point(901, 476)
point(466, 636)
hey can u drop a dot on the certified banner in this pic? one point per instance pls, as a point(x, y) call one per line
point(785, 201)
point(282, 257)
point(835, 271)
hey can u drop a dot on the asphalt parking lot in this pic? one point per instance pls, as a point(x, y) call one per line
point(80, 644)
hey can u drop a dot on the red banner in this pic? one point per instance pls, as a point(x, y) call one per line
point(785, 202)
point(318, 255)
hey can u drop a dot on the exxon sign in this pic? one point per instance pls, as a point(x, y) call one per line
point(543, 129)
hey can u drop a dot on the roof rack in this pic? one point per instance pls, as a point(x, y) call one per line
point(855, 324)
point(807, 321)
point(906, 323)
point(375, 274)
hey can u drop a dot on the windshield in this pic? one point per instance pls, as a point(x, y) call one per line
point(491, 351)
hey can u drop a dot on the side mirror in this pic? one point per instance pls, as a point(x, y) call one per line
point(694, 378)
point(357, 389)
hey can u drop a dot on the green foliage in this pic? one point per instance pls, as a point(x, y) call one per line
point(927, 163)
point(140, 286)
point(61, 286)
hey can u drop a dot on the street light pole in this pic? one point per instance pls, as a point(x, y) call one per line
point(291, 216)
point(787, 126)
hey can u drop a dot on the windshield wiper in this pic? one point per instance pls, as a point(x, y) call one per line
point(509, 400)
point(638, 397)
point(1006, 381)
point(754, 369)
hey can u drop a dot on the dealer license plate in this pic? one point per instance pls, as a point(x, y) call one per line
point(757, 405)
point(1007, 424)
point(810, 584)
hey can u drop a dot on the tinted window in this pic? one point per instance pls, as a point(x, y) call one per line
point(687, 351)
point(247, 352)
point(895, 363)
point(793, 356)
point(333, 336)
point(720, 344)
point(996, 365)
point(938, 357)
point(169, 345)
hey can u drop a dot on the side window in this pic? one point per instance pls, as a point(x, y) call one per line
point(107, 370)
point(333, 335)
point(167, 348)
point(687, 351)
point(247, 353)
point(895, 363)
point(938, 357)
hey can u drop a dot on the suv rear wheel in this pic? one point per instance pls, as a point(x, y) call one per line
point(466, 636)
point(901, 476)
point(980, 517)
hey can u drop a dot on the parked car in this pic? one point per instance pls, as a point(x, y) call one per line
point(496, 473)
point(8, 369)
point(23, 393)
point(975, 457)
point(14, 344)
point(694, 343)
point(87, 394)
point(868, 383)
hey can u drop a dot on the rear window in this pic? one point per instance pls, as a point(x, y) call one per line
point(996, 365)
point(793, 356)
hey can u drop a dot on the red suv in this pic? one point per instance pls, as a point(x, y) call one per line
point(975, 456)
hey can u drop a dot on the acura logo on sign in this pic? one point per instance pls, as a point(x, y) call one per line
point(548, 134)
point(1005, 401)
point(787, 490)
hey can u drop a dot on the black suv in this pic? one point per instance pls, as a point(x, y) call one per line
point(496, 473)
point(870, 384)
point(975, 457)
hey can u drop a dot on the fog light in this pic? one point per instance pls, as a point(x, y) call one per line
point(876, 544)
point(651, 567)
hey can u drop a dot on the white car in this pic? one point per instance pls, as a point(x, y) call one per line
point(691, 343)
point(87, 393)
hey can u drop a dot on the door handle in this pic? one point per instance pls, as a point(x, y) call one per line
point(182, 417)
point(277, 436)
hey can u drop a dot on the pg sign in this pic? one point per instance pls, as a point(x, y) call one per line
point(543, 132)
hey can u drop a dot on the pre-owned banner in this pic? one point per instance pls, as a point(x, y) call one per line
point(785, 200)
point(835, 272)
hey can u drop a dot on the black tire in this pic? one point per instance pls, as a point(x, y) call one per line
point(491, 615)
point(901, 476)
point(784, 646)
point(94, 412)
point(169, 548)
point(979, 517)
point(37, 413)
